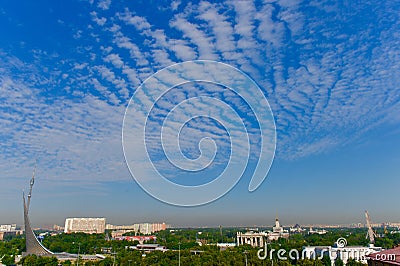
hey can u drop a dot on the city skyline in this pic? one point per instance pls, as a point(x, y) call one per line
point(330, 73)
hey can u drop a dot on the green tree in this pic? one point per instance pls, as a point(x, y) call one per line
point(106, 262)
point(326, 261)
point(29, 260)
point(8, 260)
point(352, 262)
point(339, 262)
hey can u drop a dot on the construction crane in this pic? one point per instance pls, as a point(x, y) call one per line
point(371, 234)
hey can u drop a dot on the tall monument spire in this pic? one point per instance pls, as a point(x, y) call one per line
point(33, 246)
point(31, 186)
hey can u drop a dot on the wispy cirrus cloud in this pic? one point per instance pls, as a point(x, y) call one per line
point(60, 135)
point(320, 76)
point(330, 76)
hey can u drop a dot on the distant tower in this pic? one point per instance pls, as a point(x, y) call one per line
point(277, 228)
point(277, 225)
point(33, 245)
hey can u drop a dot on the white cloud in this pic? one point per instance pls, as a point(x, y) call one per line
point(255, 38)
point(104, 4)
point(99, 21)
point(323, 84)
point(72, 139)
point(140, 23)
point(175, 4)
point(198, 38)
point(115, 59)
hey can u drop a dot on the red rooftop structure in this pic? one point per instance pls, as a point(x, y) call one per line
point(384, 258)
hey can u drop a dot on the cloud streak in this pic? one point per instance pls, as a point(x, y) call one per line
point(329, 81)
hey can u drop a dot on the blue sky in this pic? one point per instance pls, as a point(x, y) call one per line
point(330, 72)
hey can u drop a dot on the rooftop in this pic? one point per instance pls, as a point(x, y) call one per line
point(391, 256)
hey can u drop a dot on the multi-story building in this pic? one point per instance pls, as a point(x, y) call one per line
point(8, 227)
point(58, 228)
point(254, 239)
point(143, 228)
point(159, 227)
point(85, 225)
point(277, 232)
point(140, 239)
point(317, 231)
point(120, 227)
point(257, 239)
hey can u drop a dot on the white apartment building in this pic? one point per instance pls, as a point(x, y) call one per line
point(85, 225)
point(143, 228)
point(8, 227)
